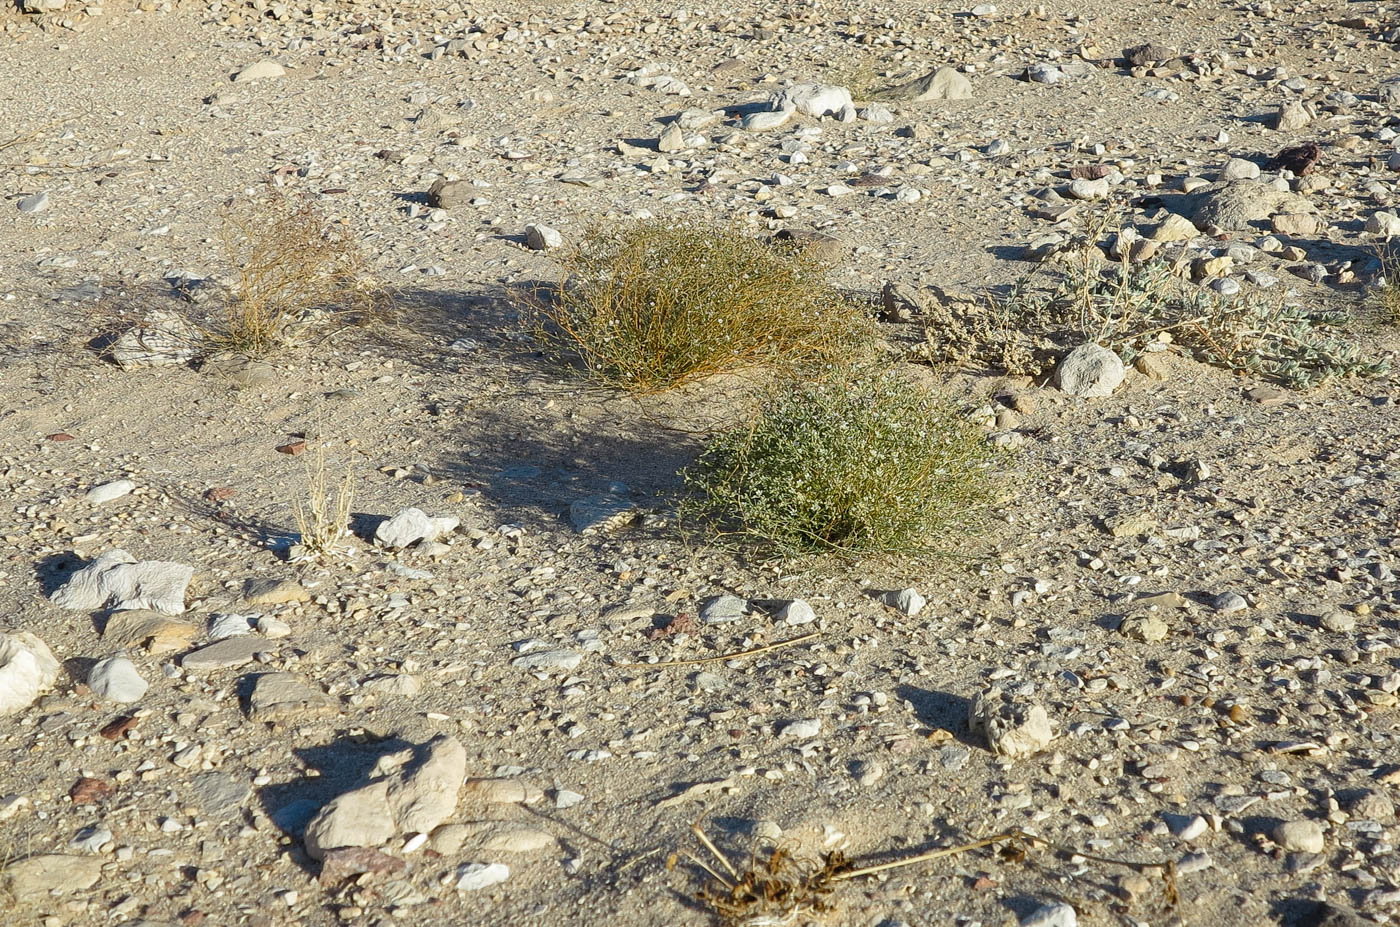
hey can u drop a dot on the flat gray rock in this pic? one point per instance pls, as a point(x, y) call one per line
point(723, 609)
point(233, 651)
point(39, 877)
point(282, 696)
point(219, 794)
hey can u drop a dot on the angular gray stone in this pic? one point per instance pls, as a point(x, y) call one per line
point(416, 790)
point(116, 579)
point(230, 652)
point(285, 696)
point(723, 609)
point(473, 877)
point(219, 794)
point(1090, 371)
point(222, 627)
point(117, 680)
point(672, 139)
point(905, 601)
point(797, 612)
point(27, 670)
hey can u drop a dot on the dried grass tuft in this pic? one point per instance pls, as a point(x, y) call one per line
point(323, 516)
point(779, 885)
point(289, 264)
point(648, 306)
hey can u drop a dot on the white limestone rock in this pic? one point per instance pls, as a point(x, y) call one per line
point(118, 580)
point(415, 791)
point(812, 99)
point(411, 526)
point(27, 670)
point(163, 339)
point(1014, 727)
point(1090, 371)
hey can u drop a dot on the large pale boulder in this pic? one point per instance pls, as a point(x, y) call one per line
point(27, 670)
point(415, 791)
point(118, 580)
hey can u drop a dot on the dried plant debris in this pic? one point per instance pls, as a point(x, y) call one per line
point(1135, 308)
point(780, 884)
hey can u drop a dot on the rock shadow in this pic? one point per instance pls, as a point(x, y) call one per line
point(55, 570)
point(942, 711)
point(344, 764)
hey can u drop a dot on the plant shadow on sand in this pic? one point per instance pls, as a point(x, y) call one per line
point(538, 435)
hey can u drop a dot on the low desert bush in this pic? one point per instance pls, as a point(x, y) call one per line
point(652, 305)
point(857, 463)
point(1127, 306)
point(288, 264)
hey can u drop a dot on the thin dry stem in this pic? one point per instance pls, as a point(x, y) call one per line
point(724, 656)
point(323, 517)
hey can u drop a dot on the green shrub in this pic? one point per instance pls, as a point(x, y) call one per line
point(859, 463)
point(651, 305)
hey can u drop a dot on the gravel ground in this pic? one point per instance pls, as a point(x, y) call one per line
point(1194, 576)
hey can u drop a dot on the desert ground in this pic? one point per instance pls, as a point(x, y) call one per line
point(526, 703)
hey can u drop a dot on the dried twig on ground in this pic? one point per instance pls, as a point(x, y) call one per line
point(724, 656)
point(779, 885)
